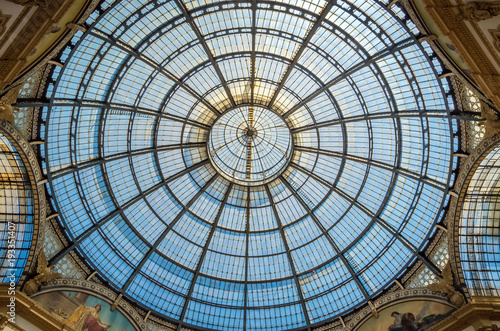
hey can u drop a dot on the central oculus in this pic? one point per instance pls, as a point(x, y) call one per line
point(250, 145)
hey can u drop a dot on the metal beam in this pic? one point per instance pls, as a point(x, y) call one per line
point(84, 165)
point(371, 162)
point(204, 44)
point(376, 219)
point(289, 255)
point(204, 252)
point(114, 106)
point(408, 245)
point(375, 116)
point(118, 44)
point(380, 55)
point(247, 237)
point(328, 237)
point(117, 211)
point(165, 232)
point(253, 53)
point(302, 48)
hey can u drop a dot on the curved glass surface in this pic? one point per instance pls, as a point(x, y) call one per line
point(250, 145)
point(131, 118)
point(479, 236)
point(17, 212)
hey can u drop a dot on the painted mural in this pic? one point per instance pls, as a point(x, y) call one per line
point(408, 316)
point(83, 311)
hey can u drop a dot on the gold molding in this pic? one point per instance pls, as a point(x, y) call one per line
point(29, 310)
point(14, 26)
point(495, 34)
point(479, 11)
point(40, 39)
point(479, 313)
point(4, 322)
point(4, 18)
point(453, 21)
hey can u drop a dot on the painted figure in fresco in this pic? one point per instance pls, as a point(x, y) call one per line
point(410, 322)
point(86, 318)
point(397, 321)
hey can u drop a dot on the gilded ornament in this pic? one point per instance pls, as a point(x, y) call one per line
point(45, 275)
point(445, 286)
point(6, 108)
point(492, 123)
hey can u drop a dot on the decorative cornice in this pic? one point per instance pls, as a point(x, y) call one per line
point(23, 73)
point(449, 63)
point(39, 3)
point(4, 18)
point(4, 323)
point(481, 308)
point(454, 22)
point(495, 34)
point(29, 310)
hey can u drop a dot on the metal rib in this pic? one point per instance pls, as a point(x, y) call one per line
point(378, 164)
point(320, 226)
point(289, 255)
point(116, 43)
point(302, 48)
point(380, 55)
point(204, 252)
point(84, 165)
point(164, 234)
point(374, 116)
point(124, 206)
point(204, 44)
point(375, 218)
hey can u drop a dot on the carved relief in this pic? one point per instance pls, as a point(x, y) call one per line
point(478, 11)
point(6, 107)
point(445, 286)
point(492, 123)
point(45, 275)
point(3, 22)
point(39, 3)
point(495, 33)
point(493, 327)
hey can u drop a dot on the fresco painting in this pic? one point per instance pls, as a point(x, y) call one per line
point(408, 316)
point(83, 311)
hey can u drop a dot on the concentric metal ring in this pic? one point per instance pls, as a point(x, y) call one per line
point(250, 145)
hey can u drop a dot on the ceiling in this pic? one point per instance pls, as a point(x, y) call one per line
point(248, 165)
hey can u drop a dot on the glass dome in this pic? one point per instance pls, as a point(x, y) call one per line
point(250, 145)
point(248, 165)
